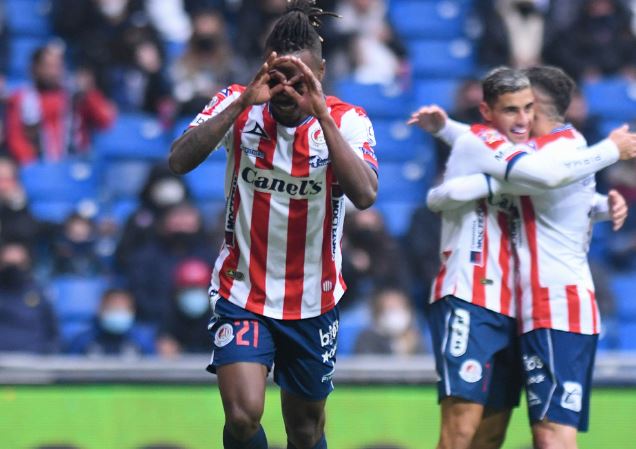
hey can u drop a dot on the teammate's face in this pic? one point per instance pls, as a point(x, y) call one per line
point(284, 106)
point(512, 114)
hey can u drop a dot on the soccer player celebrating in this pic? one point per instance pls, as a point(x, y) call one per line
point(473, 309)
point(558, 315)
point(292, 156)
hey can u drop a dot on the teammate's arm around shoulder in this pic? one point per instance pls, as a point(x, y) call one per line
point(194, 146)
point(357, 179)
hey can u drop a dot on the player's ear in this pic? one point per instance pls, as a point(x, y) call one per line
point(484, 110)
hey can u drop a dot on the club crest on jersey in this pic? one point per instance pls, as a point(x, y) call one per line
point(257, 130)
point(223, 335)
point(491, 137)
point(471, 371)
point(231, 273)
point(318, 137)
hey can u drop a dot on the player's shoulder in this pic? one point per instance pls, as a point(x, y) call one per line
point(339, 108)
point(566, 133)
point(490, 136)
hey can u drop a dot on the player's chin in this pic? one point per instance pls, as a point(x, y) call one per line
point(285, 110)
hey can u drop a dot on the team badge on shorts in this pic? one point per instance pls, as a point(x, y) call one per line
point(572, 396)
point(224, 334)
point(470, 371)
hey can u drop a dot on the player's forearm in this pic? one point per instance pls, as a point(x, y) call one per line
point(557, 168)
point(358, 181)
point(451, 131)
point(456, 192)
point(194, 146)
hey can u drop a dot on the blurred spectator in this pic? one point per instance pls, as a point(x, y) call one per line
point(27, 320)
point(162, 190)
point(48, 121)
point(512, 31)
point(16, 221)
point(207, 65)
point(599, 42)
point(422, 250)
point(142, 84)
point(578, 115)
point(375, 52)
point(75, 251)
point(184, 329)
point(393, 330)
point(622, 244)
point(372, 258)
point(114, 331)
point(150, 269)
point(170, 19)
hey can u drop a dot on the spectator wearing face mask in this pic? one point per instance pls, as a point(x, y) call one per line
point(27, 320)
point(150, 271)
point(393, 329)
point(114, 331)
point(184, 328)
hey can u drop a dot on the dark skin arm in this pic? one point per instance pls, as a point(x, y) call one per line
point(193, 147)
point(358, 181)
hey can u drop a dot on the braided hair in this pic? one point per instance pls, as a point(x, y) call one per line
point(296, 30)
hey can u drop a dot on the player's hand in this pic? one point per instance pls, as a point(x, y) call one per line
point(430, 118)
point(625, 141)
point(617, 208)
point(259, 90)
point(305, 89)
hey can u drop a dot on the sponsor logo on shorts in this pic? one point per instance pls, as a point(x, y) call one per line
point(532, 362)
point(572, 396)
point(471, 371)
point(328, 337)
point(533, 399)
point(224, 334)
point(329, 376)
point(536, 379)
point(460, 329)
point(329, 354)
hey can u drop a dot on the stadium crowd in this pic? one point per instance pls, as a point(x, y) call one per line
point(104, 251)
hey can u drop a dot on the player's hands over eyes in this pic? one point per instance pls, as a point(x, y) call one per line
point(308, 94)
point(261, 89)
point(430, 118)
point(617, 208)
point(625, 141)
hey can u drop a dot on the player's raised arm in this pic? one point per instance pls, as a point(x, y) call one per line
point(358, 181)
point(435, 120)
point(194, 146)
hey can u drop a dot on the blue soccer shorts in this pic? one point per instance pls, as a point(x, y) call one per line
point(476, 353)
point(303, 352)
point(558, 369)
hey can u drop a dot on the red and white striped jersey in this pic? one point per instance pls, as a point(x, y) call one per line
point(553, 230)
point(476, 251)
point(284, 209)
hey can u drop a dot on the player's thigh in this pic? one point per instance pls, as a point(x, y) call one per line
point(492, 429)
point(305, 358)
point(242, 388)
point(557, 372)
point(466, 340)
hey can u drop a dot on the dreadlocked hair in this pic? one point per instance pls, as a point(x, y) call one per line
point(297, 29)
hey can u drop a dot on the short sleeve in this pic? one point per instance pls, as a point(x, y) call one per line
point(357, 130)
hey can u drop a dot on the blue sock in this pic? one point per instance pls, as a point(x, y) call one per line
point(258, 441)
point(321, 444)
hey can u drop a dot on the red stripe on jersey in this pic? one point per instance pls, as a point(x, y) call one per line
point(338, 109)
point(328, 278)
point(300, 157)
point(549, 138)
point(295, 261)
point(490, 136)
point(595, 326)
point(259, 230)
point(504, 263)
point(479, 270)
point(267, 144)
point(574, 308)
point(540, 296)
point(439, 279)
point(231, 261)
point(513, 155)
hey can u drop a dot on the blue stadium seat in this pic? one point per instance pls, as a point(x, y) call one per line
point(397, 141)
point(611, 98)
point(207, 182)
point(28, 17)
point(627, 337)
point(441, 92)
point(20, 51)
point(397, 215)
point(124, 178)
point(70, 329)
point(52, 211)
point(77, 298)
point(119, 210)
point(70, 180)
point(134, 136)
point(428, 18)
point(441, 58)
point(352, 322)
point(402, 181)
point(624, 286)
point(378, 100)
